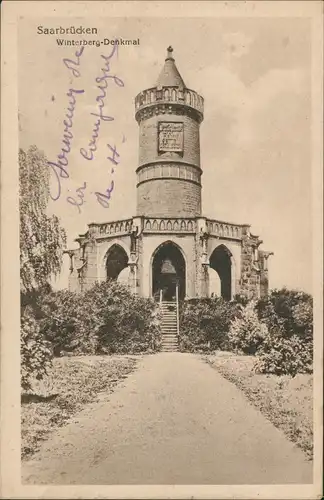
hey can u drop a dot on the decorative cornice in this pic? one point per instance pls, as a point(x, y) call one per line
point(169, 177)
point(167, 108)
point(166, 161)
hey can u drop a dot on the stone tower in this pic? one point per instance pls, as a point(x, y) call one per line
point(169, 248)
point(169, 172)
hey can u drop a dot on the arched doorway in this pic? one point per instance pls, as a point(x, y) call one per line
point(168, 272)
point(116, 261)
point(220, 261)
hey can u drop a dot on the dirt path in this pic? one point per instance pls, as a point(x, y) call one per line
point(175, 420)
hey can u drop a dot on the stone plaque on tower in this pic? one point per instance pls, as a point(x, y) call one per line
point(171, 137)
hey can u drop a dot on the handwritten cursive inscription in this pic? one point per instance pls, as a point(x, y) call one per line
point(72, 65)
point(62, 158)
point(102, 82)
point(103, 198)
point(80, 195)
point(60, 166)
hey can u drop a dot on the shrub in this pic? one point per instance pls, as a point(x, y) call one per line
point(247, 332)
point(287, 311)
point(204, 324)
point(107, 318)
point(288, 348)
point(302, 315)
point(60, 320)
point(35, 351)
point(284, 356)
point(121, 321)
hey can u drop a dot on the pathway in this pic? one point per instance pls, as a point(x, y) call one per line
point(175, 420)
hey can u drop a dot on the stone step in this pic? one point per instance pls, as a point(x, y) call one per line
point(169, 327)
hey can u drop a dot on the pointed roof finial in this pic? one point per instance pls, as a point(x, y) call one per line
point(169, 53)
point(170, 76)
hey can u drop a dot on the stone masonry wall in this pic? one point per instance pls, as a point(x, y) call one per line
point(169, 198)
point(250, 272)
point(148, 139)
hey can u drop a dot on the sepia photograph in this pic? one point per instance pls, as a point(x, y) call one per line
point(167, 241)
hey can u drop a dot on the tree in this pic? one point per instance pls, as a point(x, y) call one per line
point(42, 239)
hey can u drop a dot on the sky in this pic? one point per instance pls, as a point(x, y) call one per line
point(254, 75)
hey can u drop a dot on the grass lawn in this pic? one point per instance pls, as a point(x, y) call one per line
point(72, 383)
point(287, 402)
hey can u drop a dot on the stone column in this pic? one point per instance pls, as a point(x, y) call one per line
point(133, 260)
point(203, 262)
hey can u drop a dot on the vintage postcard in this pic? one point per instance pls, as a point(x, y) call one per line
point(161, 250)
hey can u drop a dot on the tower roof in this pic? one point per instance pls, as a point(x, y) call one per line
point(170, 76)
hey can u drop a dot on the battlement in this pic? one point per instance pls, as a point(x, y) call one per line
point(169, 95)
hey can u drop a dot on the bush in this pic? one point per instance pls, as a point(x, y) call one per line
point(302, 315)
point(60, 320)
point(247, 332)
point(287, 311)
point(121, 321)
point(204, 324)
point(288, 348)
point(107, 318)
point(35, 351)
point(284, 356)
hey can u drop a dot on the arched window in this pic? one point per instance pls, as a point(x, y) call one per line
point(220, 262)
point(116, 261)
point(168, 272)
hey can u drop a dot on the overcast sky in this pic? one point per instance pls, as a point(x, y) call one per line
point(254, 75)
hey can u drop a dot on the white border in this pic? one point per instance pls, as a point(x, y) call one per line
point(10, 394)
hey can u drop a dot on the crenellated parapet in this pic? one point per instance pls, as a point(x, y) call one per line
point(169, 100)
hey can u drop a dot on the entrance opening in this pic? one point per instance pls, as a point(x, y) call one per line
point(220, 261)
point(117, 260)
point(168, 271)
